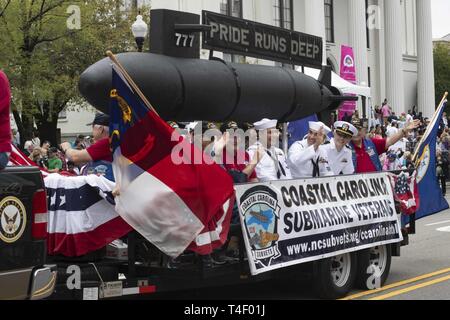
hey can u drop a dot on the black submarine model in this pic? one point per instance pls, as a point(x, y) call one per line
point(183, 88)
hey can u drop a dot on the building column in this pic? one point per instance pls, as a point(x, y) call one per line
point(315, 22)
point(425, 63)
point(358, 38)
point(358, 41)
point(395, 92)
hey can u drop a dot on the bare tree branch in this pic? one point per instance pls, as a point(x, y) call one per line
point(42, 12)
point(42, 6)
point(67, 34)
point(2, 11)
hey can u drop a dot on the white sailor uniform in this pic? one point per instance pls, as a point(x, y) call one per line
point(305, 162)
point(273, 165)
point(340, 162)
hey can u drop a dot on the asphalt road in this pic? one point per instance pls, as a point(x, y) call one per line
point(421, 273)
point(427, 257)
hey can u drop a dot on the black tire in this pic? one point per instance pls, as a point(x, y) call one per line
point(379, 257)
point(334, 277)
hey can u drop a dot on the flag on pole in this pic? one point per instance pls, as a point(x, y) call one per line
point(172, 205)
point(431, 199)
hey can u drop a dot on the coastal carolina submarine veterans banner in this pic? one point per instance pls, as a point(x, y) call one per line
point(296, 221)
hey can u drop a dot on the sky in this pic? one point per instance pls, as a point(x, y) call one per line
point(440, 10)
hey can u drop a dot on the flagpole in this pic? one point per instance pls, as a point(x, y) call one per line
point(432, 120)
point(131, 82)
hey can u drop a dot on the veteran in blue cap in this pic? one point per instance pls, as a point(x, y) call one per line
point(97, 159)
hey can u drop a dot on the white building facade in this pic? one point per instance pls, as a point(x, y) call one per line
point(391, 39)
point(73, 122)
point(445, 41)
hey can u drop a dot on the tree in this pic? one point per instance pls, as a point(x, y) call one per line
point(441, 71)
point(45, 49)
point(3, 6)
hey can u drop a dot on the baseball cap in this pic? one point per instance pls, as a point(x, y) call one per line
point(208, 126)
point(392, 155)
point(173, 124)
point(100, 119)
point(361, 123)
point(228, 126)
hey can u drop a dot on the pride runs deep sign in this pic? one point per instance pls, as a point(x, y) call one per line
point(348, 72)
point(249, 38)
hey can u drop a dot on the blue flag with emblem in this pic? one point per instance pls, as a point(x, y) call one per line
point(431, 199)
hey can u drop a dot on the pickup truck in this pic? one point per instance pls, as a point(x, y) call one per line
point(23, 232)
point(137, 269)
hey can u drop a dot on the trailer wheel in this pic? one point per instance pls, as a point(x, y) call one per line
point(334, 277)
point(374, 265)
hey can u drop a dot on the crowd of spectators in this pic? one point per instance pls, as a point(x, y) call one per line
point(385, 123)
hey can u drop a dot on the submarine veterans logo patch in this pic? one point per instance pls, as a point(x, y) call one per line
point(13, 219)
point(261, 212)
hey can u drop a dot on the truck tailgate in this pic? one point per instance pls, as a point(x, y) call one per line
point(18, 250)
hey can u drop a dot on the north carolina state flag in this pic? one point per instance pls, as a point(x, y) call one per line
point(174, 206)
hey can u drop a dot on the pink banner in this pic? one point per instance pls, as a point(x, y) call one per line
point(348, 72)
